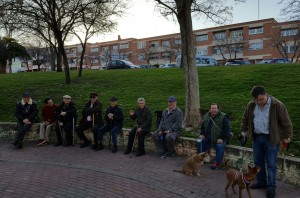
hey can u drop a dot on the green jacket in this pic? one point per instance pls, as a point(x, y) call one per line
point(217, 130)
point(279, 121)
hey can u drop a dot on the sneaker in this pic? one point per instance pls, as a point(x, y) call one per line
point(215, 166)
point(85, 144)
point(270, 193)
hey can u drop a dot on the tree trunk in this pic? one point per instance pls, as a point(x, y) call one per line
point(63, 54)
point(83, 45)
point(192, 115)
point(3, 64)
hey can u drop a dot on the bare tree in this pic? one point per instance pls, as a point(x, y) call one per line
point(287, 41)
point(291, 9)
point(97, 20)
point(218, 11)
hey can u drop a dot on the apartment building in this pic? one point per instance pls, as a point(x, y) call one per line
point(253, 41)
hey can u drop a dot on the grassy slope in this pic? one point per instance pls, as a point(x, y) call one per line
point(228, 86)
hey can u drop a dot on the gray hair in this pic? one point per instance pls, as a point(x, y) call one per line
point(141, 99)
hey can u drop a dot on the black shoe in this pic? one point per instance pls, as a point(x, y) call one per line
point(20, 145)
point(99, 147)
point(114, 149)
point(85, 144)
point(127, 152)
point(140, 154)
point(270, 193)
point(58, 144)
point(94, 146)
point(15, 143)
point(258, 186)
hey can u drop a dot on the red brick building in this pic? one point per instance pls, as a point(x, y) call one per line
point(253, 41)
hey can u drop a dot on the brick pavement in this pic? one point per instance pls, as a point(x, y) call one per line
point(59, 172)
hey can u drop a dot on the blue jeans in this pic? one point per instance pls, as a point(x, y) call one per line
point(205, 145)
point(114, 132)
point(265, 156)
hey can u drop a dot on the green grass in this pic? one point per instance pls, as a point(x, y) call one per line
point(228, 86)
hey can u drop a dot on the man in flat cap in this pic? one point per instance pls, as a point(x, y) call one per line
point(66, 120)
point(169, 129)
point(91, 118)
point(26, 113)
point(114, 123)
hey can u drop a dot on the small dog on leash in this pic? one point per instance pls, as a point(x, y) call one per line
point(243, 180)
point(193, 164)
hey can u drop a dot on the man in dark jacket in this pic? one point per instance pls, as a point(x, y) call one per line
point(26, 113)
point(215, 131)
point(114, 119)
point(143, 118)
point(66, 121)
point(91, 118)
point(267, 122)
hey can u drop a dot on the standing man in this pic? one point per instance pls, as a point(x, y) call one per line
point(66, 121)
point(48, 114)
point(215, 131)
point(143, 118)
point(91, 118)
point(114, 123)
point(26, 113)
point(267, 121)
point(169, 129)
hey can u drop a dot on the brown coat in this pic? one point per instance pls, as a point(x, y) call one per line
point(279, 120)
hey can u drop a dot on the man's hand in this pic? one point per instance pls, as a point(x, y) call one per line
point(26, 121)
point(219, 141)
point(110, 116)
point(138, 130)
point(160, 133)
point(201, 136)
point(287, 140)
point(61, 124)
point(131, 112)
point(244, 134)
point(63, 113)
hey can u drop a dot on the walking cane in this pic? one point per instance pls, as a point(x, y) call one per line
point(61, 133)
point(93, 119)
point(133, 141)
point(109, 144)
point(73, 130)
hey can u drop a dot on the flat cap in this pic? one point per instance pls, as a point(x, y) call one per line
point(26, 95)
point(113, 99)
point(93, 95)
point(66, 97)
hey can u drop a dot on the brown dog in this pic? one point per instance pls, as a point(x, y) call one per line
point(193, 164)
point(243, 180)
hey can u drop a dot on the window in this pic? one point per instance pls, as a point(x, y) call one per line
point(202, 52)
point(153, 56)
point(289, 49)
point(178, 42)
point(67, 50)
point(203, 37)
point(218, 50)
point(104, 49)
point(257, 30)
point(114, 48)
point(255, 46)
point(236, 33)
point(220, 35)
point(79, 49)
point(166, 55)
point(154, 44)
point(141, 57)
point(124, 46)
point(95, 49)
point(166, 44)
point(289, 32)
point(141, 45)
point(95, 60)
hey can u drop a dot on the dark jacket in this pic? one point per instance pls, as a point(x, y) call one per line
point(171, 121)
point(96, 110)
point(143, 117)
point(118, 116)
point(71, 113)
point(26, 110)
point(280, 125)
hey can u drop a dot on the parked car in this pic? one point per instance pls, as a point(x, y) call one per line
point(275, 60)
point(146, 66)
point(167, 66)
point(237, 62)
point(121, 64)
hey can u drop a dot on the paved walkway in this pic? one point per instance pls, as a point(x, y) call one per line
point(50, 171)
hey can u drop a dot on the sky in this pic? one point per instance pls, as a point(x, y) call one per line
point(142, 21)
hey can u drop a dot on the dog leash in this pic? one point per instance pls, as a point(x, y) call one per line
point(246, 183)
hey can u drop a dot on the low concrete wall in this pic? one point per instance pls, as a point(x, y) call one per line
point(288, 168)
